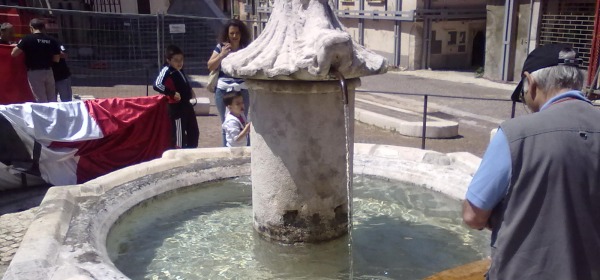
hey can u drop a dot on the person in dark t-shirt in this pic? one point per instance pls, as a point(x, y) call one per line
point(62, 77)
point(40, 51)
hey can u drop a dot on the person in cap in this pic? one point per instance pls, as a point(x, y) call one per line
point(7, 34)
point(538, 186)
point(41, 51)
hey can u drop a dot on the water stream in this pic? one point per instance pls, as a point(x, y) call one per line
point(347, 106)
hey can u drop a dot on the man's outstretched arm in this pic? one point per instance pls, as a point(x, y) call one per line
point(475, 217)
point(490, 183)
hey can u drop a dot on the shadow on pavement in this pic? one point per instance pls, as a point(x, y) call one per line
point(17, 200)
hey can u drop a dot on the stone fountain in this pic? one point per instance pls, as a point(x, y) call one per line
point(301, 132)
point(302, 155)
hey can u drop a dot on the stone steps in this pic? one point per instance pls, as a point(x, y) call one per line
point(403, 121)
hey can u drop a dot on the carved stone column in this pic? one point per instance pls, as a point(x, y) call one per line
point(299, 159)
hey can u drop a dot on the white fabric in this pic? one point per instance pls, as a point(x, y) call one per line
point(11, 179)
point(58, 166)
point(53, 121)
point(229, 84)
point(50, 122)
point(233, 127)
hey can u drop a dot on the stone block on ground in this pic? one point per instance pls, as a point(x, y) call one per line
point(82, 97)
point(202, 106)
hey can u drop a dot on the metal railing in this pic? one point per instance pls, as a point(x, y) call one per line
point(426, 101)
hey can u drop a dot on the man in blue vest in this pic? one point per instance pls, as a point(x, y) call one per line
point(538, 186)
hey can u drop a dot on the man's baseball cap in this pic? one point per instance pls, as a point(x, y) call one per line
point(6, 26)
point(543, 57)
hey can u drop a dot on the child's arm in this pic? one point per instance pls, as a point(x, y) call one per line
point(233, 132)
point(164, 84)
point(244, 132)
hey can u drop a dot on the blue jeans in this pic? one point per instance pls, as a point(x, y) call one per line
point(219, 93)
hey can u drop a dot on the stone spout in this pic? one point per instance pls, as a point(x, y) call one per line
point(303, 40)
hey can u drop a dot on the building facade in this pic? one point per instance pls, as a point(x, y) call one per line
point(515, 27)
point(412, 34)
point(419, 34)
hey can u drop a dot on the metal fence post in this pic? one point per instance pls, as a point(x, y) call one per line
point(162, 39)
point(158, 51)
point(424, 122)
point(147, 80)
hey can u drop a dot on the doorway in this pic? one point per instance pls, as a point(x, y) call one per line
point(478, 57)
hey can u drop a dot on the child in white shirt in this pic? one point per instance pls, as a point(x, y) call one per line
point(235, 125)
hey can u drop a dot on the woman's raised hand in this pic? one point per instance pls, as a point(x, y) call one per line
point(226, 49)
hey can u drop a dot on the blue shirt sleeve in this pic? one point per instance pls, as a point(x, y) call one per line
point(490, 182)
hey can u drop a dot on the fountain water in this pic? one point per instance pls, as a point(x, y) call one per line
point(203, 232)
point(349, 149)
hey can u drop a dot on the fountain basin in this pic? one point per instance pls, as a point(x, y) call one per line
point(67, 239)
point(399, 231)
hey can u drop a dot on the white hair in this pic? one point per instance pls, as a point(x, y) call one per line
point(560, 76)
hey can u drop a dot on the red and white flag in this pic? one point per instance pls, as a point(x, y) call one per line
point(73, 142)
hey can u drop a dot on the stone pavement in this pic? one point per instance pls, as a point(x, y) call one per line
point(12, 230)
point(17, 208)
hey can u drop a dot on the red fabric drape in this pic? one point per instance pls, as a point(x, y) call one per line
point(135, 130)
point(14, 87)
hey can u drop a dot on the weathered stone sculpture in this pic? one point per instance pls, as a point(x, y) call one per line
point(300, 153)
point(303, 40)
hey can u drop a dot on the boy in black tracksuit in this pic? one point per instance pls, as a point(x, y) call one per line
point(173, 83)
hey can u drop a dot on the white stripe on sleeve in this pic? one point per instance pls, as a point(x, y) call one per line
point(179, 141)
point(160, 78)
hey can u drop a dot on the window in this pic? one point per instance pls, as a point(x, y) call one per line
point(436, 45)
point(452, 40)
